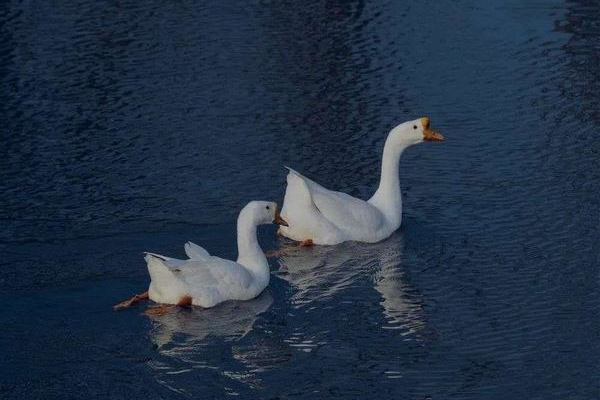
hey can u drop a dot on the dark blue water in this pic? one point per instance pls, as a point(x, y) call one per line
point(128, 127)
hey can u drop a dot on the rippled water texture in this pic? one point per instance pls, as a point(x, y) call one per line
point(129, 126)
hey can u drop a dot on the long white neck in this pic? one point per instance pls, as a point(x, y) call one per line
point(250, 255)
point(388, 198)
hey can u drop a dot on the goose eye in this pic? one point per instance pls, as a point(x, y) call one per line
point(267, 207)
point(414, 127)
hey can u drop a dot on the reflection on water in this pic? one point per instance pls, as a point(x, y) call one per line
point(188, 339)
point(401, 305)
point(322, 273)
point(229, 321)
point(348, 282)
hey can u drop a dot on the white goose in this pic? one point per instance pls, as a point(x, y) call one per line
point(321, 216)
point(205, 280)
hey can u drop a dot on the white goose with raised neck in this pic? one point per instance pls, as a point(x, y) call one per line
point(206, 280)
point(388, 196)
point(322, 216)
point(250, 255)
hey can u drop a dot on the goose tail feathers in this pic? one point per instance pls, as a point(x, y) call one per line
point(161, 274)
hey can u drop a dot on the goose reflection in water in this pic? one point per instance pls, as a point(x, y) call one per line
point(187, 339)
point(231, 320)
point(401, 303)
point(320, 273)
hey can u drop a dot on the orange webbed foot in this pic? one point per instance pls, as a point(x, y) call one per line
point(132, 301)
point(159, 310)
point(162, 309)
point(307, 243)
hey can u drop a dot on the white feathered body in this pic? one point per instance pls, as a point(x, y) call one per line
point(329, 217)
point(208, 281)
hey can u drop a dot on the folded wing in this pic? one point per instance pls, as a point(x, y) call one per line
point(196, 252)
point(343, 210)
point(216, 272)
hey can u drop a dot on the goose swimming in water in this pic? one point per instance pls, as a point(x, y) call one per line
point(321, 216)
point(206, 280)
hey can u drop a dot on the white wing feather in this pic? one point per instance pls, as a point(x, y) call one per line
point(343, 210)
point(195, 252)
point(171, 263)
point(216, 272)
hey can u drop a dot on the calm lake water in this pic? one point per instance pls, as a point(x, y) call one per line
point(129, 127)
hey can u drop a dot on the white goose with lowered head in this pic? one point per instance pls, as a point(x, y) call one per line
point(322, 216)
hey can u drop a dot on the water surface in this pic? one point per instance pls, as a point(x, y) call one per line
point(129, 127)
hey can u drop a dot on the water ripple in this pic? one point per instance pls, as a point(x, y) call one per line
point(130, 127)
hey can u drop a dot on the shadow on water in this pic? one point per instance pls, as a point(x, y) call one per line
point(582, 85)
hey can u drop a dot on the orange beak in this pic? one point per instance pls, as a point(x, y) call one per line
point(428, 134)
point(278, 220)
